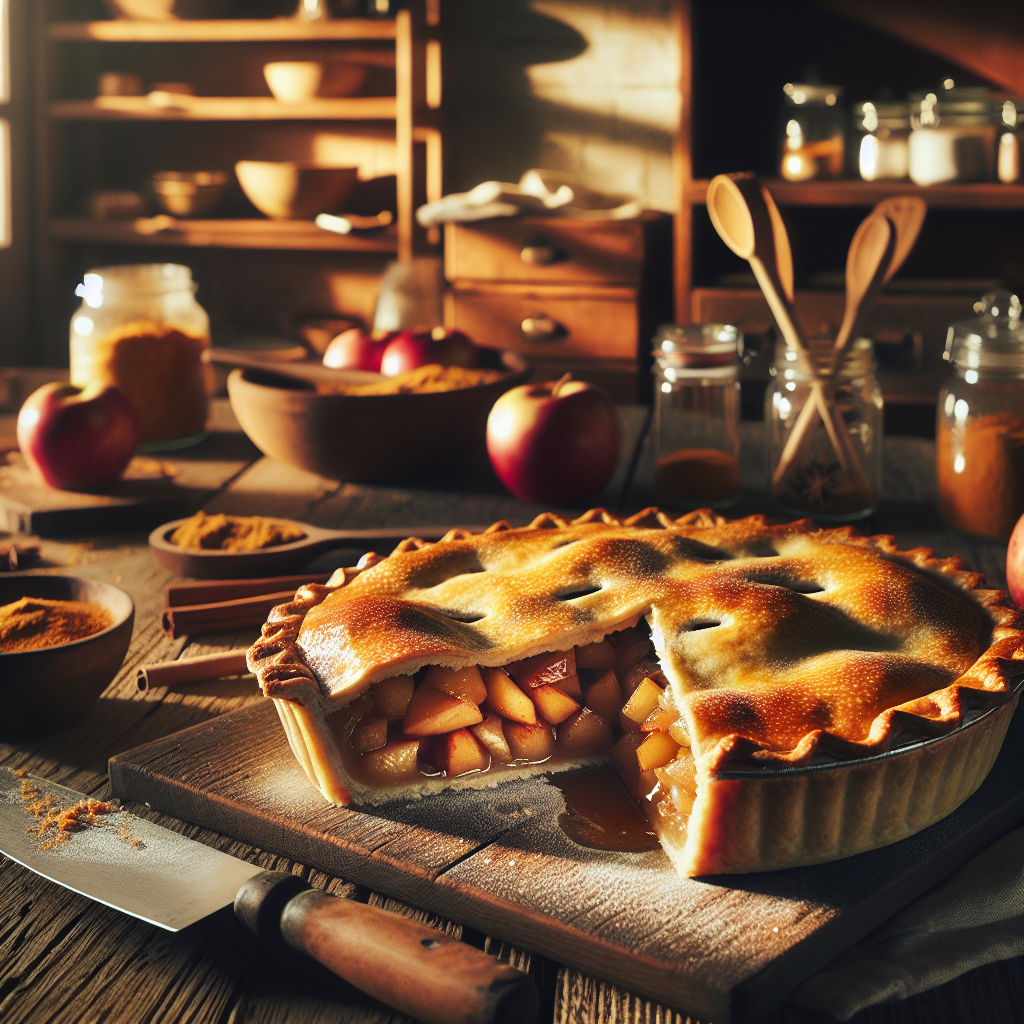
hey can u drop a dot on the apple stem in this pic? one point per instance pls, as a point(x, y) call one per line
point(560, 384)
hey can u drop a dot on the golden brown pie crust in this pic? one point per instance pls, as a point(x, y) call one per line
point(786, 648)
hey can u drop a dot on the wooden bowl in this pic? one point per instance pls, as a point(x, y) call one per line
point(294, 190)
point(370, 437)
point(45, 691)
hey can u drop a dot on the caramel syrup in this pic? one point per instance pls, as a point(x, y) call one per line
point(600, 812)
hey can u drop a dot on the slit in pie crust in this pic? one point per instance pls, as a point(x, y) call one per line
point(744, 678)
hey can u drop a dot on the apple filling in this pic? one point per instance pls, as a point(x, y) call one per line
point(606, 699)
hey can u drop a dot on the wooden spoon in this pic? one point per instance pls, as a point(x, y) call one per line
point(275, 561)
point(907, 215)
point(783, 249)
point(307, 372)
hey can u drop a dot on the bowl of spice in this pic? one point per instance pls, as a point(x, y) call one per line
point(62, 640)
point(415, 425)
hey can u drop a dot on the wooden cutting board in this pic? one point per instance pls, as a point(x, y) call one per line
point(726, 948)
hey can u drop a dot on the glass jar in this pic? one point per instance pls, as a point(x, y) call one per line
point(140, 328)
point(814, 137)
point(980, 430)
point(883, 130)
point(696, 410)
point(953, 136)
point(829, 469)
point(1011, 137)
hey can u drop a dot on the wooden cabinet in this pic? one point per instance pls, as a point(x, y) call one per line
point(580, 296)
point(255, 274)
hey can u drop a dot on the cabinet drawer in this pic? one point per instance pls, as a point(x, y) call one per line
point(548, 323)
point(546, 251)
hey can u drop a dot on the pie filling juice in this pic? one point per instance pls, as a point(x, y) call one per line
point(607, 700)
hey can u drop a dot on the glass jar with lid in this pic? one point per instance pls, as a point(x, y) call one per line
point(980, 430)
point(883, 128)
point(696, 410)
point(814, 132)
point(953, 135)
point(831, 468)
point(1011, 138)
point(140, 328)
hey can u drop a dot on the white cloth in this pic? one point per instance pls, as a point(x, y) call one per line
point(975, 917)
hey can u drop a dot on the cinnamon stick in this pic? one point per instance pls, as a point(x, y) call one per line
point(210, 592)
point(222, 615)
point(186, 671)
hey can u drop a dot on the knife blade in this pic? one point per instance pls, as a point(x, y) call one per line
point(171, 881)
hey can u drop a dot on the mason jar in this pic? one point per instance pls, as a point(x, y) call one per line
point(1011, 136)
point(883, 130)
point(953, 137)
point(814, 132)
point(140, 328)
point(980, 430)
point(827, 467)
point(697, 413)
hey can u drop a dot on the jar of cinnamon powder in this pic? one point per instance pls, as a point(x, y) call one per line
point(980, 429)
point(140, 328)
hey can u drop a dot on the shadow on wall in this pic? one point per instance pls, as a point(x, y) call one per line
point(583, 86)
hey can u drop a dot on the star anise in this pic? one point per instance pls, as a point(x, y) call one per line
point(816, 481)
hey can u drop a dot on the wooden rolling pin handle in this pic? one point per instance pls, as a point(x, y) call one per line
point(409, 966)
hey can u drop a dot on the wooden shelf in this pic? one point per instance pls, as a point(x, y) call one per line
point(988, 195)
point(225, 108)
point(223, 31)
point(224, 234)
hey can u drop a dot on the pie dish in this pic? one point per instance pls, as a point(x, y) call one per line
point(743, 677)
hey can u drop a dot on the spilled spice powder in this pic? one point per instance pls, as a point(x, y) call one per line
point(33, 623)
point(422, 380)
point(56, 824)
point(234, 533)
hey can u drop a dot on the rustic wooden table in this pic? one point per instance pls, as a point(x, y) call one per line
point(66, 959)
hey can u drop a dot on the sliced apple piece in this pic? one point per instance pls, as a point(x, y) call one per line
point(491, 734)
point(391, 697)
point(656, 751)
point(553, 705)
point(627, 724)
point(465, 683)
point(543, 669)
point(432, 713)
point(643, 700)
point(604, 696)
point(460, 752)
point(586, 732)
point(624, 758)
point(600, 656)
point(394, 763)
point(370, 734)
point(646, 783)
point(678, 731)
point(680, 771)
point(506, 699)
point(529, 742)
point(660, 719)
point(571, 685)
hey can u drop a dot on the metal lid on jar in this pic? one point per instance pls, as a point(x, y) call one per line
point(134, 279)
point(993, 340)
point(873, 115)
point(805, 94)
point(697, 345)
point(955, 106)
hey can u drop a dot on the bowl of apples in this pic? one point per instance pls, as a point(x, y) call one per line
point(417, 408)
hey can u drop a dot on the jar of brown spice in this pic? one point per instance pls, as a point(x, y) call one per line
point(980, 430)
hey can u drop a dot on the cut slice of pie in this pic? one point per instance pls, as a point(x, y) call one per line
point(744, 678)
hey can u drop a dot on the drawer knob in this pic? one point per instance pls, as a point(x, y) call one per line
point(541, 255)
point(541, 328)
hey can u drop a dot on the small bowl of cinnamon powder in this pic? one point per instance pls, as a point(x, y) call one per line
point(62, 640)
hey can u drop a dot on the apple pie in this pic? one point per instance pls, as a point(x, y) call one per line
point(772, 695)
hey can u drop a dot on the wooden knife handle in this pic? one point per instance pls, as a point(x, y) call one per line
point(409, 966)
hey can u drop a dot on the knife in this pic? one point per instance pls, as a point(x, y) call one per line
point(171, 881)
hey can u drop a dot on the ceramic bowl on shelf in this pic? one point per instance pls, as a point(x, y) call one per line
point(371, 437)
point(294, 190)
point(189, 193)
point(48, 690)
point(168, 10)
point(296, 81)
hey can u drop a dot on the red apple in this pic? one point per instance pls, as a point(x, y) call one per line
point(78, 438)
point(408, 350)
point(1015, 563)
point(453, 347)
point(356, 349)
point(555, 443)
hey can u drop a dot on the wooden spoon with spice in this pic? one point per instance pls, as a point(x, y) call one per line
point(290, 545)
